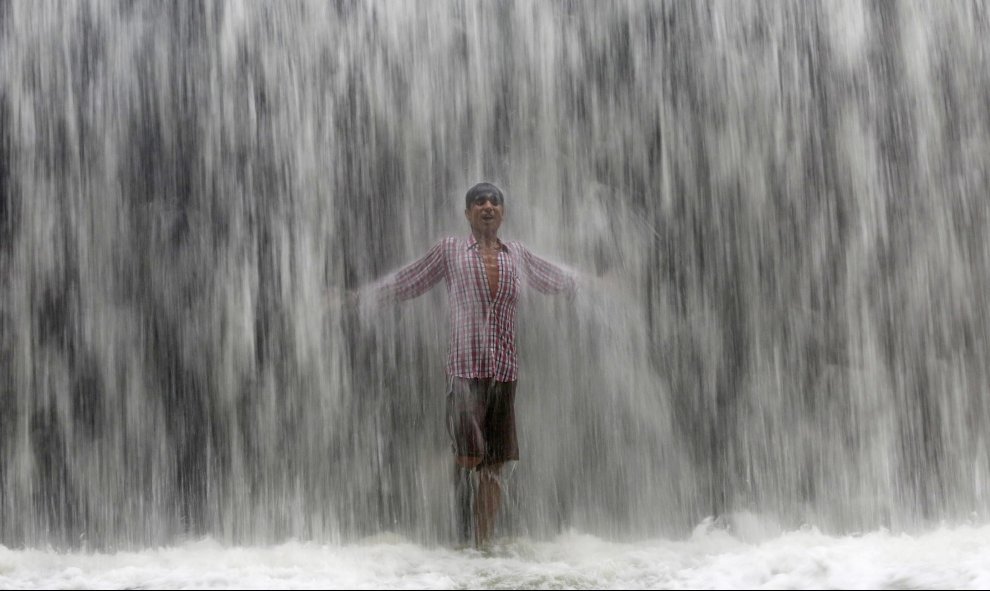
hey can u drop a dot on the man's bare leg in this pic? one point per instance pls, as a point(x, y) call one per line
point(463, 501)
point(488, 497)
point(487, 503)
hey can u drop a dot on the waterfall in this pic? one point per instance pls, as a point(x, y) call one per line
point(780, 207)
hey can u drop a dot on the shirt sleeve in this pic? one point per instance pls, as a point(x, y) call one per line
point(546, 277)
point(415, 279)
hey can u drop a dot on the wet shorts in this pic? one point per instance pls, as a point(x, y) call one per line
point(481, 419)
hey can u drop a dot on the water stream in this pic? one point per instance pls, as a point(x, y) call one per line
point(781, 208)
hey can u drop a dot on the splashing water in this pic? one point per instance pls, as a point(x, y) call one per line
point(786, 205)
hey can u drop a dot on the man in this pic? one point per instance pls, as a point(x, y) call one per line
point(484, 277)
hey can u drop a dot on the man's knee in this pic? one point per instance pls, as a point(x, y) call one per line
point(491, 473)
point(468, 462)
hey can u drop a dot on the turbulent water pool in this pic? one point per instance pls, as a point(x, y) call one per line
point(778, 212)
point(755, 557)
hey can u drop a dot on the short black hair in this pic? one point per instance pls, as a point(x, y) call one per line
point(482, 190)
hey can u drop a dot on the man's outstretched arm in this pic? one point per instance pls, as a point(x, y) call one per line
point(406, 283)
point(414, 279)
point(547, 277)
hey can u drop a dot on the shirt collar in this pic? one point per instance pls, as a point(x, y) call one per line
point(472, 243)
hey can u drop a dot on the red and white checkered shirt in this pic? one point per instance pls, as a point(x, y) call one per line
point(482, 327)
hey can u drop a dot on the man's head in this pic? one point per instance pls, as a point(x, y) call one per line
point(484, 208)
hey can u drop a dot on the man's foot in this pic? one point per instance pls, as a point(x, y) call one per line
point(722, 522)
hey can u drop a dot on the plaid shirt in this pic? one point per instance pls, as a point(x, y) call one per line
point(482, 327)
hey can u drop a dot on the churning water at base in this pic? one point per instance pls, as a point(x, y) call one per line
point(783, 207)
point(954, 558)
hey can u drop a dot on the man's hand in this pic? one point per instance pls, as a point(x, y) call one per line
point(345, 300)
point(603, 282)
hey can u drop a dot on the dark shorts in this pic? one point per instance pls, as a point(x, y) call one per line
point(481, 419)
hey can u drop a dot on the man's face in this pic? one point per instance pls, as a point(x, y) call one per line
point(485, 214)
